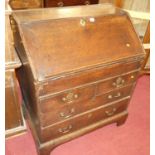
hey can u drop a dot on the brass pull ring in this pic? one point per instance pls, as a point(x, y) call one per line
point(115, 96)
point(65, 129)
point(70, 97)
point(109, 112)
point(62, 114)
point(119, 82)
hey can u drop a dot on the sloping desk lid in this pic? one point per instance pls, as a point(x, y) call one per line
point(68, 39)
point(11, 59)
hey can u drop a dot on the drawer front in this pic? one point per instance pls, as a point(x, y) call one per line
point(67, 98)
point(57, 115)
point(83, 120)
point(89, 76)
point(116, 82)
point(60, 3)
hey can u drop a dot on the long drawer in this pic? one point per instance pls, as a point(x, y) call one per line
point(56, 113)
point(64, 82)
point(83, 120)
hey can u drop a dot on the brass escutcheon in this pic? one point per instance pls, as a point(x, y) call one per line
point(119, 82)
point(87, 2)
point(70, 97)
point(60, 4)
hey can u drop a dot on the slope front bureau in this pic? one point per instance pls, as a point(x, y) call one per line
point(80, 66)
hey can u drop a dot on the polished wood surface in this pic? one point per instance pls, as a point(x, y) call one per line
point(14, 123)
point(81, 65)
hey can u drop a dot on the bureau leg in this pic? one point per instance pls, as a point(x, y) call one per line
point(45, 150)
point(122, 120)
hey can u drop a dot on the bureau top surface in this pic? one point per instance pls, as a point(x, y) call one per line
point(11, 58)
point(61, 40)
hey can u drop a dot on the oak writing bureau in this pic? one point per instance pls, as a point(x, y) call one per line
point(80, 66)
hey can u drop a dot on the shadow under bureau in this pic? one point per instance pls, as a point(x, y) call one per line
point(80, 66)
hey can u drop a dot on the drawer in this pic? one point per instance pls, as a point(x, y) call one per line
point(82, 121)
point(69, 81)
point(116, 82)
point(60, 3)
point(59, 114)
point(67, 98)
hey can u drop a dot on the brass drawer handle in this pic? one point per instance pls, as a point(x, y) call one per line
point(13, 24)
point(70, 97)
point(60, 4)
point(62, 114)
point(65, 129)
point(87, 2)
point(119, 82)
point(110, 112)
point(83, 22)
point(115, 96)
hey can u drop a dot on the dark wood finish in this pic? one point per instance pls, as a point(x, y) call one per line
point(80, 67)
point(14, 123)
point(60, 3)
point(50, 104)
point(25, 4)
point(54, 117)
point(116, 82)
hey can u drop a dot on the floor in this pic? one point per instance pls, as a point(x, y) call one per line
point(132, 138)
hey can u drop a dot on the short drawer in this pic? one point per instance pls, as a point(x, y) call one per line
point(116, 82)
point(67, 98)
point(62, 113)
point(89, 76)
point(82, 121)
